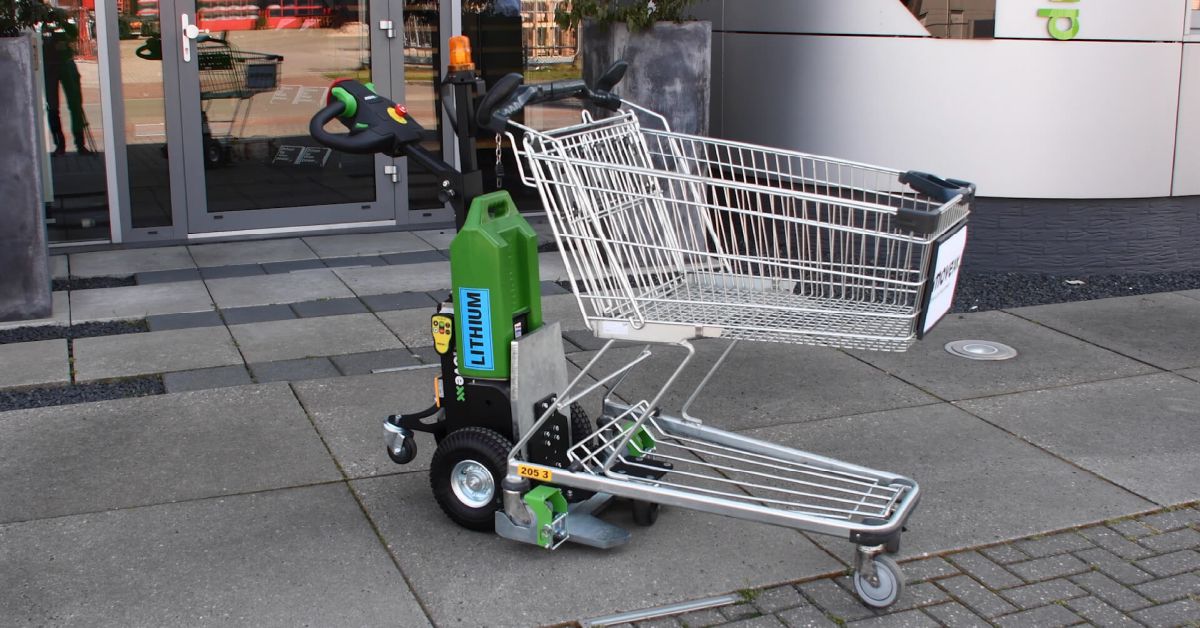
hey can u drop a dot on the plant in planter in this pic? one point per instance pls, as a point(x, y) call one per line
point(669, 56)
point(25, 282)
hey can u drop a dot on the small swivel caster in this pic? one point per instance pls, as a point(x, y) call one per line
point(401, 446)
point(878, 580)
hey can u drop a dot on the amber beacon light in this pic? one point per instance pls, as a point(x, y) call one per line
point(460, 54)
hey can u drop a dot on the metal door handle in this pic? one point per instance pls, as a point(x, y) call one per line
point(190, 31)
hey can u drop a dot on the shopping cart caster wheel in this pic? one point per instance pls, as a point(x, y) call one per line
point(645, 513)
point(465, 475)
point(885, 588)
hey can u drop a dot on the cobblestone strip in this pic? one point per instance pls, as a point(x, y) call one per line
point(1137, 571)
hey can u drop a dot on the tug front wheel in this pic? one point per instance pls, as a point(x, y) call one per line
point(465, 475)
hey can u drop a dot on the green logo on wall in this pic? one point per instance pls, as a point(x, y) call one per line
point(1057, 19)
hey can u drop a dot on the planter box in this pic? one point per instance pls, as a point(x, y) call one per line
point(24, 264)
point(670, 68)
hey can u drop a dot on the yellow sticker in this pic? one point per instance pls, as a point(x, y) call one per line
point(535, 473)
point(443, 326)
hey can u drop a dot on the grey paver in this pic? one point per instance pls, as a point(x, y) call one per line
point(805, 617)
point(439, 239)
point(904, 619)
point(414, 257)
point(1098, 613)
point(1114, 542)
point(1149, 451)
point(1192, 374)
point(203, 379)
point(663, 622)
point(984, 570)
point(250, 252)
point(1113, 566)
point(1131, 528)
point(835, 600)
point(1181, 613)
point(1111, 591)
point(165, 322)
point(1171, 541)
point(294, 370)
point(1046, 358)
point(551, 288)
point(1049, 567)
point(738, 612)
point(34, 363)
point(918, 595)
point(807, 383)
point(232, 270)
point(1172, 519)
point(257, 314)
point(410, 326)
point(398, 301)
point(392, 279)
point(127, 302)
point(1172, 563)
point(763, 621)
point(205, 563)
point(976, 597)
point(349, 414)
point(928, 569)
point(272, 289)
point(122, 263)
point(365, 363)
point(1050, 616)
point(60, 314)
point(312, 337)
point(356, 244)
point(1028, 490)
point(1058, 543)
point(59, 267)
point(551, 268)
point(1004, 554)
point(106, 357)
point(349, 262)
point(152, 450)
point(565, 309)
point(410, 522)
point(167, 276)
point(278, 268)
point(778, 598)
point(1043, 593)
point(1171, 588)
point(956, 615)
point(329, 307)
point(1155, 328)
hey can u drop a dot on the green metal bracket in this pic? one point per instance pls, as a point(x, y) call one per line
point(546, 502)
point(641, 443)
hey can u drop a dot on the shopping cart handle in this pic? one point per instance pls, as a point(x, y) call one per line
point(942, 190)
point(509, 96)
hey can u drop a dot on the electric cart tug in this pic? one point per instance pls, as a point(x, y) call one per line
point(666, 238)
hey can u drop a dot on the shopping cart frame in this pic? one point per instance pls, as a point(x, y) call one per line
point(228, 73)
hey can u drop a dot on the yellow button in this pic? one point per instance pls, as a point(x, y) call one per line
point(397, 117)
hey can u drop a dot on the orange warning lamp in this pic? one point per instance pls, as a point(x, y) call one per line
point(460, 54)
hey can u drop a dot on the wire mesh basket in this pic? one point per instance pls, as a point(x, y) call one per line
point(668, 236)
point(227, 72)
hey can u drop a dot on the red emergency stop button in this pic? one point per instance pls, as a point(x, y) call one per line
point(402, 110)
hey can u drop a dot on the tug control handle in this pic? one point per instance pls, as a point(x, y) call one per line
point(375, 124)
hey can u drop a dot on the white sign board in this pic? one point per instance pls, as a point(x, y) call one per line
point(1121, 20)
point(946, 263)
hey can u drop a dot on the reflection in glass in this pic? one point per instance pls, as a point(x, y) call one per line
point(145, 121)
point(956, 19)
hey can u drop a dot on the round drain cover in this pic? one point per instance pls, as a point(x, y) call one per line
point(980, 350)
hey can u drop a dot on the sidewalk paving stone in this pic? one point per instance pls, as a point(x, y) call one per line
point(1115, 593)
point(1046, 358)
point(349, 414)
point(1051, 616)
point(399, 301)
point(1059, 543)
point(977, 597)
point(392, 279)
point(1191, 294)
point(1113, 566)
point(762, 621)
point(365, 363)
point(279, 268)
point(1181, 613)
point(983, 569)
point(303, 556)
point(59, 267)
point(1114, 542)
point(127, 302)
point(806, 617)
point(122, 263)
point(354, 261)
point(251, 252)
point(658, 566)
point(1098, 613)
point(293, 370)
point(107, 357)
point(60, 314)
point(329, 307)
point(414, 257)
point(312, 337)
point(165, 322)
point(356, 244)
point(956, 615)
point(835, 599)
point(1155, 328)
point(1027, 490)
point(257, 314)
point(905, 619)
point(1137, 432)
point(34, 363)
point(1173, 563)
point(1039, 569)
point(274, 289)
point(1043, 593)
point(563, 308)
point(760, 384)
point(412, 327)
point(1171, 588)
point(232, 270)
point(152, 450)
point(1173, 519)
point(203, 379)
point(1004, 554)
point(439, 239)
point(1171, 541)
point(167, 276)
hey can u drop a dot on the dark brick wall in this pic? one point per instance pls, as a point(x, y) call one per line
point(1085, 236)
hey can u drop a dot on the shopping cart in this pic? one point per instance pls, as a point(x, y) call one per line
point(669, 237)
point(227, 73)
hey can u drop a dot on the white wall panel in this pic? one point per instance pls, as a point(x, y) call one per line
point(1143, 20)
point(1020, 118)
point(833, 17)
point(1187, 148)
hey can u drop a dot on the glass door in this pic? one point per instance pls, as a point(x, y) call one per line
point(250, 78)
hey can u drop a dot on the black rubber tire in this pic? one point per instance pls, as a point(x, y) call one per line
point(408, 451)
point(214, 153)
point(645, 513)
point(484, 446)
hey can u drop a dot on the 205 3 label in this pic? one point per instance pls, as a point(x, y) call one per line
point(534, 473)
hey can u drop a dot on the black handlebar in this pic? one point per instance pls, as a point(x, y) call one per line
point(509, 96)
